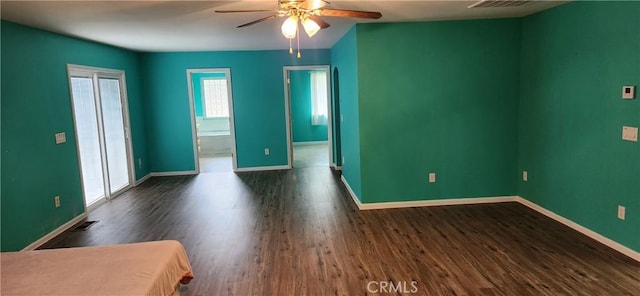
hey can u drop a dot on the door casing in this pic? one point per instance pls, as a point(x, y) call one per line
point(287, 104)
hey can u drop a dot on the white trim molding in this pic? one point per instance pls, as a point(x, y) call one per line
point(175, 173)
point(41, 241)
point(436, 202)
point(141, 180)
point(287, 108)
point(309, 143)
point(351, 193)
point(579, 228)
point(265, 168)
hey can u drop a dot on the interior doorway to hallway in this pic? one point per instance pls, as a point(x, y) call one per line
point(308, 102)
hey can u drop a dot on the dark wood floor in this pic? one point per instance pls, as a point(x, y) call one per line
point(298, 233)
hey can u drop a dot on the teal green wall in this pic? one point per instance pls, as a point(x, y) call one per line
point(447, 103)
point(344, 56)
point(258, 94)
point(300, 92)
point(476, 102)
point(575, 60)
point(36, 104)
point(196, 80)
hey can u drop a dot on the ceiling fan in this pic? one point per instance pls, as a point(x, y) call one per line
point(307, 13)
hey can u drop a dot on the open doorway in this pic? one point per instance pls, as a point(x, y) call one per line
point(212, 118)
point(309, 117)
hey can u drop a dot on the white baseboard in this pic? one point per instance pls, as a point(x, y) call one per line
point(54, 233)
point(265, 168)
point(176, 173)
point(579, 228)
point(424, 203)
point(141, 180)
point(309, 143)
point(351, 193)
point(436, 202)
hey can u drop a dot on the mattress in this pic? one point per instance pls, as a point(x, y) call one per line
point(149, 268)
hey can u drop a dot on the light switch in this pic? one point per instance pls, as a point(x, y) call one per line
point(630, 133)
point(432, 177)
point(61, 138)
point(628, 92)
point(525, 176)
point(621, 212)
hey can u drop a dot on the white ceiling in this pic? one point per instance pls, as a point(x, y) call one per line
point(159, 26)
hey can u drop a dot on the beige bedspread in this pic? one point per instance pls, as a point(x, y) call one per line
point(151, 268)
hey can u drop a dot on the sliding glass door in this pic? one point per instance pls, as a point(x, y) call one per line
point(114, 134)
point(101, 131)
point(88, 138)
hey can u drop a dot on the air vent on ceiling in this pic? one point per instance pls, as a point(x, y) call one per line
point(498, 3)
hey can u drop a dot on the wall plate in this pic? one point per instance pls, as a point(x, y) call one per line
point(628, 92)
point(61, 138)
point(630, 133)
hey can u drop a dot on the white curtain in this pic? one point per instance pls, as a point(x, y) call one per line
point(319, 98)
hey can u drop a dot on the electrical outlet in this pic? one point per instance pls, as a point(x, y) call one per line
point(621, 212)
point(343, 160)
point(525, 176)
point(266, 151)
point(630, 133)
point(432, 177)
point(140, 162)
point(56, 201)
point(61, 138)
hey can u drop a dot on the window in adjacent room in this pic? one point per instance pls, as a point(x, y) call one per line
point(319, 98)
point(215, 97)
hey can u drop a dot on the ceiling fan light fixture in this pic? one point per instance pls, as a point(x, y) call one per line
point(310, 27)
point(290, 27)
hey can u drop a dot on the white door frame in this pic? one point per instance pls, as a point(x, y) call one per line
point(192, 110)
point(287, 106)
point(95, 73)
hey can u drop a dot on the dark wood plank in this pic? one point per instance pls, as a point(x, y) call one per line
point(298, 233)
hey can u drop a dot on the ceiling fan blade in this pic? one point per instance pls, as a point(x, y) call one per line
point(234, 11)
point(257, 21)
point(350, 13)
point(319, 21)
point(313, 4)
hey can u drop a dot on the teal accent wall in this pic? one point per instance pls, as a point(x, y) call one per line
point(36, 104)
point(258, 94)
point(300, 92)
point(575, 60)
point(344, 56)
point(196, 80)
point(447, 103)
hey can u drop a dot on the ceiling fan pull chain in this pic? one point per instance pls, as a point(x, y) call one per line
point(298, 39)
point(290, 47)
